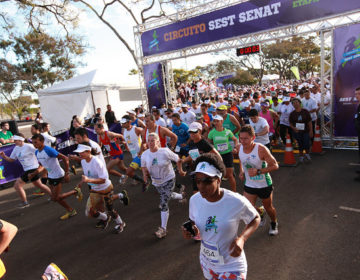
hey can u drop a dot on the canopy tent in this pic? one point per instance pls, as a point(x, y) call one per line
point(81, 96)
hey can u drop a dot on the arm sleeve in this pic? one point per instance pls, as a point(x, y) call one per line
point(207, 146)
point(247, 212)
point(171, 155)
point(192, 209)
point(101, 169)
point(51, 152)
point(13, 154)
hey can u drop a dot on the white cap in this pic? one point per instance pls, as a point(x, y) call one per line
point(286, 98)
point(19, 138)
point(207, 101)
point(124, 120)
point(208, 169)
point(219, 118)
point(82, 148)
point(195, 126)
point(220, 96)
point(184, 105)
point(141, 115)
point(131, 112)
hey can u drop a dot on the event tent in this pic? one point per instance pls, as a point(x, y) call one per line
point(81, 96)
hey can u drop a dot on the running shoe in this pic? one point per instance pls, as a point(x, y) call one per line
point(68, 215)
point(262, 216)
point(38, 192)
point(183, 193)
point(79, 194)
point(73, 169)
point(23, 204)
point(145, 186)
point(120, 228)
point(54, 272)
point(160, 233)
point(307, 157)
point(273, 228)
point(103, 224)
point(123, 179)
point(301, 159)
point(125, 199)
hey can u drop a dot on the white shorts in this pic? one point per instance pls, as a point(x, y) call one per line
point(210, 274)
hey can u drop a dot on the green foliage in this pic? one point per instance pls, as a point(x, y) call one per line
point(133, 72)
point(242, 78)
point(184, 76)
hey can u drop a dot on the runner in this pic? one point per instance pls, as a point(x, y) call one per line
point(132, 135)
point(181, 130)
point(25, 153)
point(101, 189)
point(261, 128)
point(7, 233)
point(187, 116)
point(49, 139)
point(156, 163)
point(256, 162)
point(220, 137)
point(110, 140)
point(272, 119)
point(285, 109)
point(48, 158)
point(216, 214)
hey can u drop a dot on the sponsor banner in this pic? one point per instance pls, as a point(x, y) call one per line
point(346, 78)
point(238, 20)
point(221, 79)
point(9, 171)
point(154, 85)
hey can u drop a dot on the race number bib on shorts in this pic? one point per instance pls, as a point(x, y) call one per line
point(177, 149)
point(194, 154)
point(211, 252)
point(222, 147)
point(300, 126)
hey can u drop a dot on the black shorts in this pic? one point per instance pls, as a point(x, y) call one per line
point(55, 182)
point(25, 178)
point(228, 160)
point(262, 193)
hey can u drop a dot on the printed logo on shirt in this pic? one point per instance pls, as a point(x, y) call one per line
point(154, 162)
point(211, 224)
point(1, 171)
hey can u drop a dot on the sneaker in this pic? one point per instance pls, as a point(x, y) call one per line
point(73, 169)
point(68, 215)
point(125, 199)
point(307, 157)
point(273, 228)
point(54, 272)
point(120, 228)
point(160, 233)
point(123, 179)
point(38, 192)
point(23, 204)
point(145, 186)
point(103, 224)
point(262, 216)
point(301, 159)
point(183, 193)
point(79, 194)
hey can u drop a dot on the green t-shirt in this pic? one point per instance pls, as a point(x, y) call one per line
point(6, 136)
point(221, 140)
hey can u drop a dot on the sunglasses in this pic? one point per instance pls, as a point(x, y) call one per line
point(205, 181)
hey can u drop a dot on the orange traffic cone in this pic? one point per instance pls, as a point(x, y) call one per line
point(317, 146)
point(289, 158)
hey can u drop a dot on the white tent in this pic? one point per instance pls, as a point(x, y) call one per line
point(270, 77)
point(81, 96)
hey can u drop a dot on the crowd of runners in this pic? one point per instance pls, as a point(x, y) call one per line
point(199, 135)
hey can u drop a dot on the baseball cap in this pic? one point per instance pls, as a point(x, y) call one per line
point(184, 105)
point(219, 118)
point(131, 112)
point(82, 148)
point(195, 126)
point(208, 169)
point(19, 138)
point(222, 107)
point(286, 98)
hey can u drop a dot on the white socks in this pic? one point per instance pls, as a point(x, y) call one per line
point(118, 220)
point(102, 216)
point(164, 219)
point(177, 196)
point(121, 195)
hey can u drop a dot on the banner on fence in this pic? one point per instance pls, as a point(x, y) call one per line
point(154, 84)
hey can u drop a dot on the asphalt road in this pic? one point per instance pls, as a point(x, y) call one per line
point(317, 240)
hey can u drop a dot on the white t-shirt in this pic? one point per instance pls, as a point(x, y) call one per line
point(48, 158)
point(196, 111)
point(161, 122)
point(310, 104)
point(188, 117)
point(26, 156)
point(159, 165)
point(218, 104)
point(218, 223)
point(95, 169)
point(48, 139)
point(96, 146)
point(285, 111)
point(258, 127)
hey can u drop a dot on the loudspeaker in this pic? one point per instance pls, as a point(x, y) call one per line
point(13, 127)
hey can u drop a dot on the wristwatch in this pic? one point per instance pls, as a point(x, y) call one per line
point(258, 172)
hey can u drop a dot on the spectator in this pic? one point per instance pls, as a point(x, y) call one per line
point(39, 118)
point(109, 116)
point(5, 134)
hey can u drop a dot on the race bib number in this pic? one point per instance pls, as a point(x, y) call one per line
point(107, 147)
point(194, 154)
point(232, 144)
point(133, 153)
point(177, 149)
point(300, 126)
point(222, 147)
point(211, 252)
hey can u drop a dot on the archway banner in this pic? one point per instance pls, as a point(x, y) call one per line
point(346, 78)
point(241, 19)
point(154, 82)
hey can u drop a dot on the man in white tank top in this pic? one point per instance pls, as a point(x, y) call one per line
point(256, 162)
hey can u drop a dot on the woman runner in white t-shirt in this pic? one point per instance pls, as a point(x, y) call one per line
point(25, 153)
point(156, 163)
point(216, 214)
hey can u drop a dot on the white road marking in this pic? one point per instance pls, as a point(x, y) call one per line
point(354, 164)
point(349, 209)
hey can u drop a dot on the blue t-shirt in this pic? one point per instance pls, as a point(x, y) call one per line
point(182, 132)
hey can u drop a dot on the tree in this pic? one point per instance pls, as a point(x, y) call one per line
point(242, 78)
point(34, 61)
point(184, 76)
